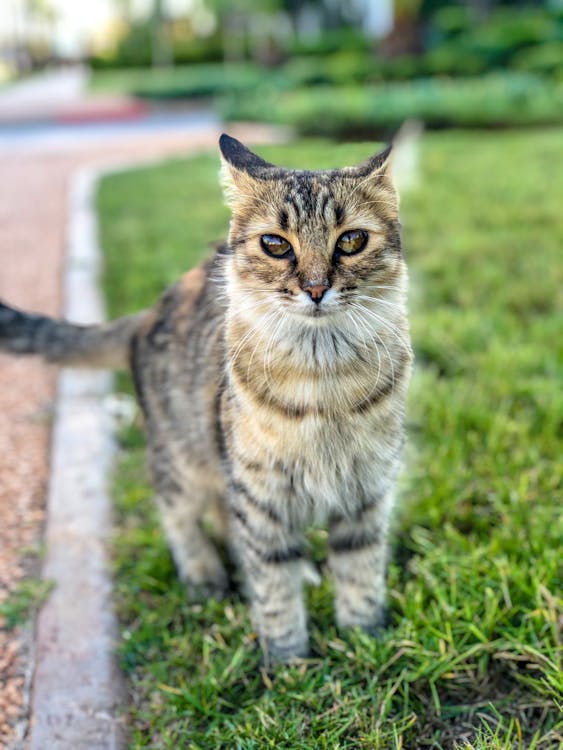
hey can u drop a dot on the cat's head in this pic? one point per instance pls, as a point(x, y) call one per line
point(311, 242)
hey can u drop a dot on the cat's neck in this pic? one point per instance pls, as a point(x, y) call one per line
point(324, 367)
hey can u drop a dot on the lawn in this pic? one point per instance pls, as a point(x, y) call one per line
point(471, 657)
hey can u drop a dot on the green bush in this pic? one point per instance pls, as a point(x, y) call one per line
point(448, 59)
point(345, 68)
point(201, 81)
point(374, 89)
point(402, 68)
point(330, 42)
point(339, 69)
point(505, 33)
point(186, 82)
point(545, 59)
point(493, 101)
point(301, 71)
point(459, 46)
point(450, 21)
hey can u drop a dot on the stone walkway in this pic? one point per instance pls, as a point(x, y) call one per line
point(43, 95)
point(34, 186)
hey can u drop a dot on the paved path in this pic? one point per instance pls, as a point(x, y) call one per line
point(57, 99)
point(40, 136)
point(43, 95)
point(54, 110)
point(34, 184)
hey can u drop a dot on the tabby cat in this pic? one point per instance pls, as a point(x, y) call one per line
point(273, 382)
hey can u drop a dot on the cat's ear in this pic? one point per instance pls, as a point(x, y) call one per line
point(377, 165)
point(376, 177)
point(237, 156)
point(241, 171)
point(399, 162)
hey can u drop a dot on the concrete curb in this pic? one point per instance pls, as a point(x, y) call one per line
point(77, 689)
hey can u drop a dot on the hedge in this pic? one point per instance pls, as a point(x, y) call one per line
point(496, 100)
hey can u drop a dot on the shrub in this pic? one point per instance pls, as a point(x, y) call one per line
point(545, 59)
point(330, 42)
point(505, 33)
point(450, 21)
point(193, 81)
point(358, 111)
point(449, 59)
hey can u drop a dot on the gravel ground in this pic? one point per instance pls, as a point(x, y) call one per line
point(33, 216)
point(31, 241)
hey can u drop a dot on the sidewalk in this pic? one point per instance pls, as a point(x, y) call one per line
point(44, 93)
point(60, 96)
point(34, 185)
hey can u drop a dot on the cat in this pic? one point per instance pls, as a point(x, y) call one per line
point(273, 381)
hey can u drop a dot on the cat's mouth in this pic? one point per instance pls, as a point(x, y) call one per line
point(307, 307)
point(314, 313)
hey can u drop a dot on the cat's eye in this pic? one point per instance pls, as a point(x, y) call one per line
point(351, 242)
point(276, 246)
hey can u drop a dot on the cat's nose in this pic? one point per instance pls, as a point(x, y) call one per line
point(316, 292)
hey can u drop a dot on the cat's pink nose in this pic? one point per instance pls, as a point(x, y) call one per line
point(316, 292)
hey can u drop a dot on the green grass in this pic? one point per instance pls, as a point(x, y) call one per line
point(24, 601)
point(471, 658)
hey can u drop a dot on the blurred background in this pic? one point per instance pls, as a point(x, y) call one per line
point(351, 69)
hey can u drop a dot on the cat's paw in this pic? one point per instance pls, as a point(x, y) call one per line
point(277, 652)
point(373, 623)
point(206, 581)
point(199, 593)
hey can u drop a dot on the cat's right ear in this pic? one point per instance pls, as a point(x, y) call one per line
point(241, 158)
point(241, 171)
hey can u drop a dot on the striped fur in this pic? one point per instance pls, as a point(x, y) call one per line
point(269, 411)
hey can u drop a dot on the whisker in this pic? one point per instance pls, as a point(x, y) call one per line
point(266, 323)
point(393, 305)
point(376, 350)
point(393, 329)
point(249, 334)
point(269, 347)
point(382, 286)
point(383, 344)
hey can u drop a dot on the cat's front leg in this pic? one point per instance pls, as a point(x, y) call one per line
point(271, 557)
point(358, 561)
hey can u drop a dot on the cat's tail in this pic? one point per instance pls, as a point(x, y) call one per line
point(105, 345)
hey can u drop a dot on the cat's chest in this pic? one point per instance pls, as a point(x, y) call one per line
point(314, 417)
point(320, 454)
point(324, 465)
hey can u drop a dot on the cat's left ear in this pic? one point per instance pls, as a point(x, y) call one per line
point(397, 166)
point(377, 175)
point(241, 170)
point(377, 165)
